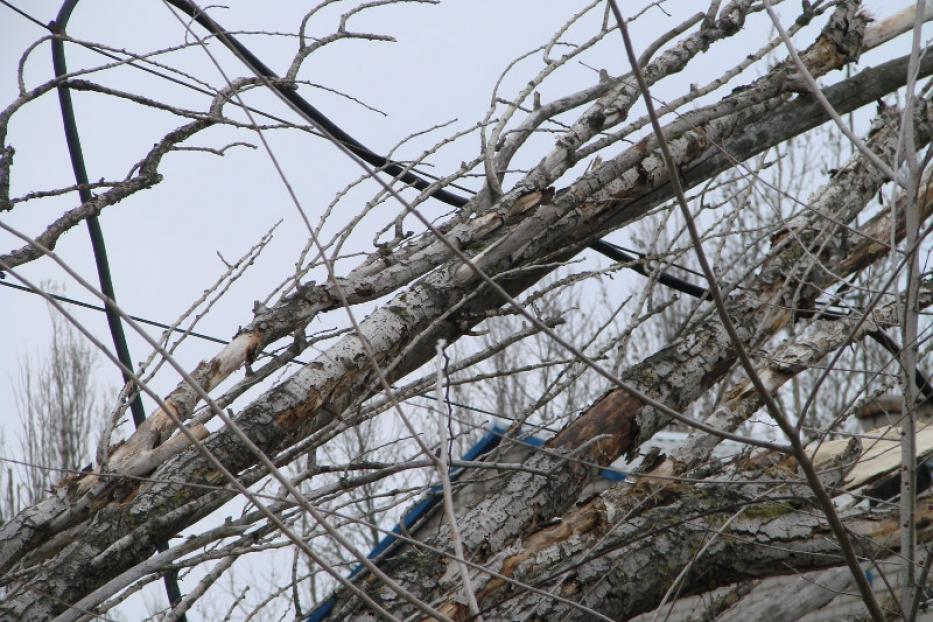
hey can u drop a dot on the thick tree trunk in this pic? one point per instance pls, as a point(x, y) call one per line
point(676, 376)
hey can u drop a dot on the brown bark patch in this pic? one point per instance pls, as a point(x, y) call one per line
point(574, 523)
point(253, 348)
point(611, 421)
point(289, 420)
point(718, 370)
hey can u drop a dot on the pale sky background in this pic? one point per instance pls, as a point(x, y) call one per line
point(163, 242)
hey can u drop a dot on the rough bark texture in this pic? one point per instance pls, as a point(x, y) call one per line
point(792, 603)
point(800, 266)
point(624, 568)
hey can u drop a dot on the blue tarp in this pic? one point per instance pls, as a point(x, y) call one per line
point(483, 446)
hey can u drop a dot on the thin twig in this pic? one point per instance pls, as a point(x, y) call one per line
point(774, 410)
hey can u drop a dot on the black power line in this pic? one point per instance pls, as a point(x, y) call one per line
point(634, 260)
point(636, 263)
point(93, 307)
point(72, 138)
point(317, 118)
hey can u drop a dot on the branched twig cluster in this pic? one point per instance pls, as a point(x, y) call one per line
point(740, 330)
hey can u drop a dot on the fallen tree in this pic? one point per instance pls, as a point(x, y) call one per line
point(530, 548)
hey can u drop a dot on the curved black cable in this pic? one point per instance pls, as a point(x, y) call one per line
point(87, 305)
point(182, 83)
point(316, 117)
point(94, 229)
point(638, 265)
point(312, 113)
point(636, 261)
point(98, 245)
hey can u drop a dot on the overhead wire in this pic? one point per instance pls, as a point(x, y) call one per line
point(23, 13)
point(634, 260)
point(188, 85)
point(95, 232)
point(94, 307)
point(99, 249)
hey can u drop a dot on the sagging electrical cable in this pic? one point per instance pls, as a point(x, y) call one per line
point(115, 324)
point(382, 163)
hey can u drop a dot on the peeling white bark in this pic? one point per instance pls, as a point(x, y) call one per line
point(807, 258)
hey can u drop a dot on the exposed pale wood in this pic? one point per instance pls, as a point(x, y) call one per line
point(880, 453)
